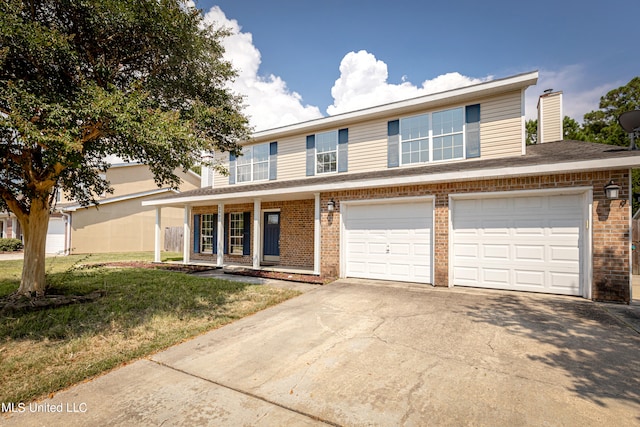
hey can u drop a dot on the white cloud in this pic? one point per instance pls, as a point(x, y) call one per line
point(363, 83)
point(269, 103)
point(579, 96)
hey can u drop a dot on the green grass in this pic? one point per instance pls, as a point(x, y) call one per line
point(142, 311)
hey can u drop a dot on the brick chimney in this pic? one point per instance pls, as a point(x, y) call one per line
point(550, 117)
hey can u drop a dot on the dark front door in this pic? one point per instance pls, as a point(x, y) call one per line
point(271, 251)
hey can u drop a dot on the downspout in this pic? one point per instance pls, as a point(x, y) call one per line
point(67, 233)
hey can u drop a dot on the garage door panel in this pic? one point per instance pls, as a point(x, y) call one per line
point(422, 250)
point(529, 253)
point(563, 281)
point(495, 275)
point(466, 274)
point(495, 252)
point(565, 253)
point(468, 250)
point(55, 239)
point(397, 247)
point(524, 278)
point(521, 243)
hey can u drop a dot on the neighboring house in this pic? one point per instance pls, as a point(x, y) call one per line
point(9, 226)
point(439, 189)
point(119, 223)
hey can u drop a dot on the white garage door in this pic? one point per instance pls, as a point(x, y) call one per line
point(55, 236)
point(519, 243)
point(389, 241)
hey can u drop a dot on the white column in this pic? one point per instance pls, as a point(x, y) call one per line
point(256, 233)
point(316, 236)
point(186, 241)
point(156, 256)
point(220, 240)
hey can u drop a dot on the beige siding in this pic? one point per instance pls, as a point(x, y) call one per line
point(500, 135)
point(292, 157)
point(368, 146)
point(501, 126)
point(550, 117)
point(119, 227)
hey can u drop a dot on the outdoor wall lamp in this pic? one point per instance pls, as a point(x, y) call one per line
point(612, 190)
point(331, 205)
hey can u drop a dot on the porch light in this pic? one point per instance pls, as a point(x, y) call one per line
point(331, 205)
point(612, 190)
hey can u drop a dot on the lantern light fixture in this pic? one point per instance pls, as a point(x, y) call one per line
point(331, 205)
point(612, 190)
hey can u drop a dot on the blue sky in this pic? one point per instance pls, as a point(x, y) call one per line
point(305, 59)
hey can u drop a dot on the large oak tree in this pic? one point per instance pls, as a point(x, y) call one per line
point(82, 79)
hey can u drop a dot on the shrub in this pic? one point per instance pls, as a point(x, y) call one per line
point(10, 245)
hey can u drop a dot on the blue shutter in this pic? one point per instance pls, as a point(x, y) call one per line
point(273, 161)
point(196, 234)
point(246, 233)
point(393, 144)
point(215, 234)
point(232, 169)
point(225, 226)
point(311, 155)
point(343, 150)
point(472, 130)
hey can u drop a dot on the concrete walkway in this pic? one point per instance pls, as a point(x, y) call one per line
point(357, 352)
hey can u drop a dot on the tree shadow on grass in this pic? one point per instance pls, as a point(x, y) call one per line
point(130, 298)
point(598, 352)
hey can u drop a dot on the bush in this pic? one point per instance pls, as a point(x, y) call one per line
point(10, 245)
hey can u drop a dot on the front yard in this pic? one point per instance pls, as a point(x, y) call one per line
point(140, 312)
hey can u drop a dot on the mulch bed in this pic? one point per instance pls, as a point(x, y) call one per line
point(19, 303)
point(291, 277)
point(152, 265)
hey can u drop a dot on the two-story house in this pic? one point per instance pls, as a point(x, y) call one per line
point(439, 189)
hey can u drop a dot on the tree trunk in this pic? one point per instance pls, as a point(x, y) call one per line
point(34, 229)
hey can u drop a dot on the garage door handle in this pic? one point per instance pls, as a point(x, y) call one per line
point(387, 248)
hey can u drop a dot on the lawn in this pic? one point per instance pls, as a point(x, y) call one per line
point(141, 311)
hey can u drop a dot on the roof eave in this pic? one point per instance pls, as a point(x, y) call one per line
point(429, 178)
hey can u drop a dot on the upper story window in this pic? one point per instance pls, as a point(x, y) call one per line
point(327, 152)
point(432, 137)
point(257, 163)
point(253, 165)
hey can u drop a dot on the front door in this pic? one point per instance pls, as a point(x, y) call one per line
point(271, 246)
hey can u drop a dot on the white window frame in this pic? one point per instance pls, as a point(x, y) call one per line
point(207, 219)
point(431, 137)
point(249, 158)
point(236, 240)
point(317, 152)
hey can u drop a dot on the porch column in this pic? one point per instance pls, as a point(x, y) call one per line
point(220, 241)
point(186, 239)
point(156, 256)
point(316, 235)
point(256, 233)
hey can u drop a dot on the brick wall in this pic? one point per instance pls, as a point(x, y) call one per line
point(296, 232)
point(610, 228)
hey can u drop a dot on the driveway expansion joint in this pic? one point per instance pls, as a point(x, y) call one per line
point(246, 393)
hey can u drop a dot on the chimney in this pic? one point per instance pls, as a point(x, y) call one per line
point(206, 171)
point(550, 117)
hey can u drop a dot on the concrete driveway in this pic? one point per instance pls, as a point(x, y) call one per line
point(367, 353)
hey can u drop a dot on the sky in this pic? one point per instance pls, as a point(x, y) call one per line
point(301, 60)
